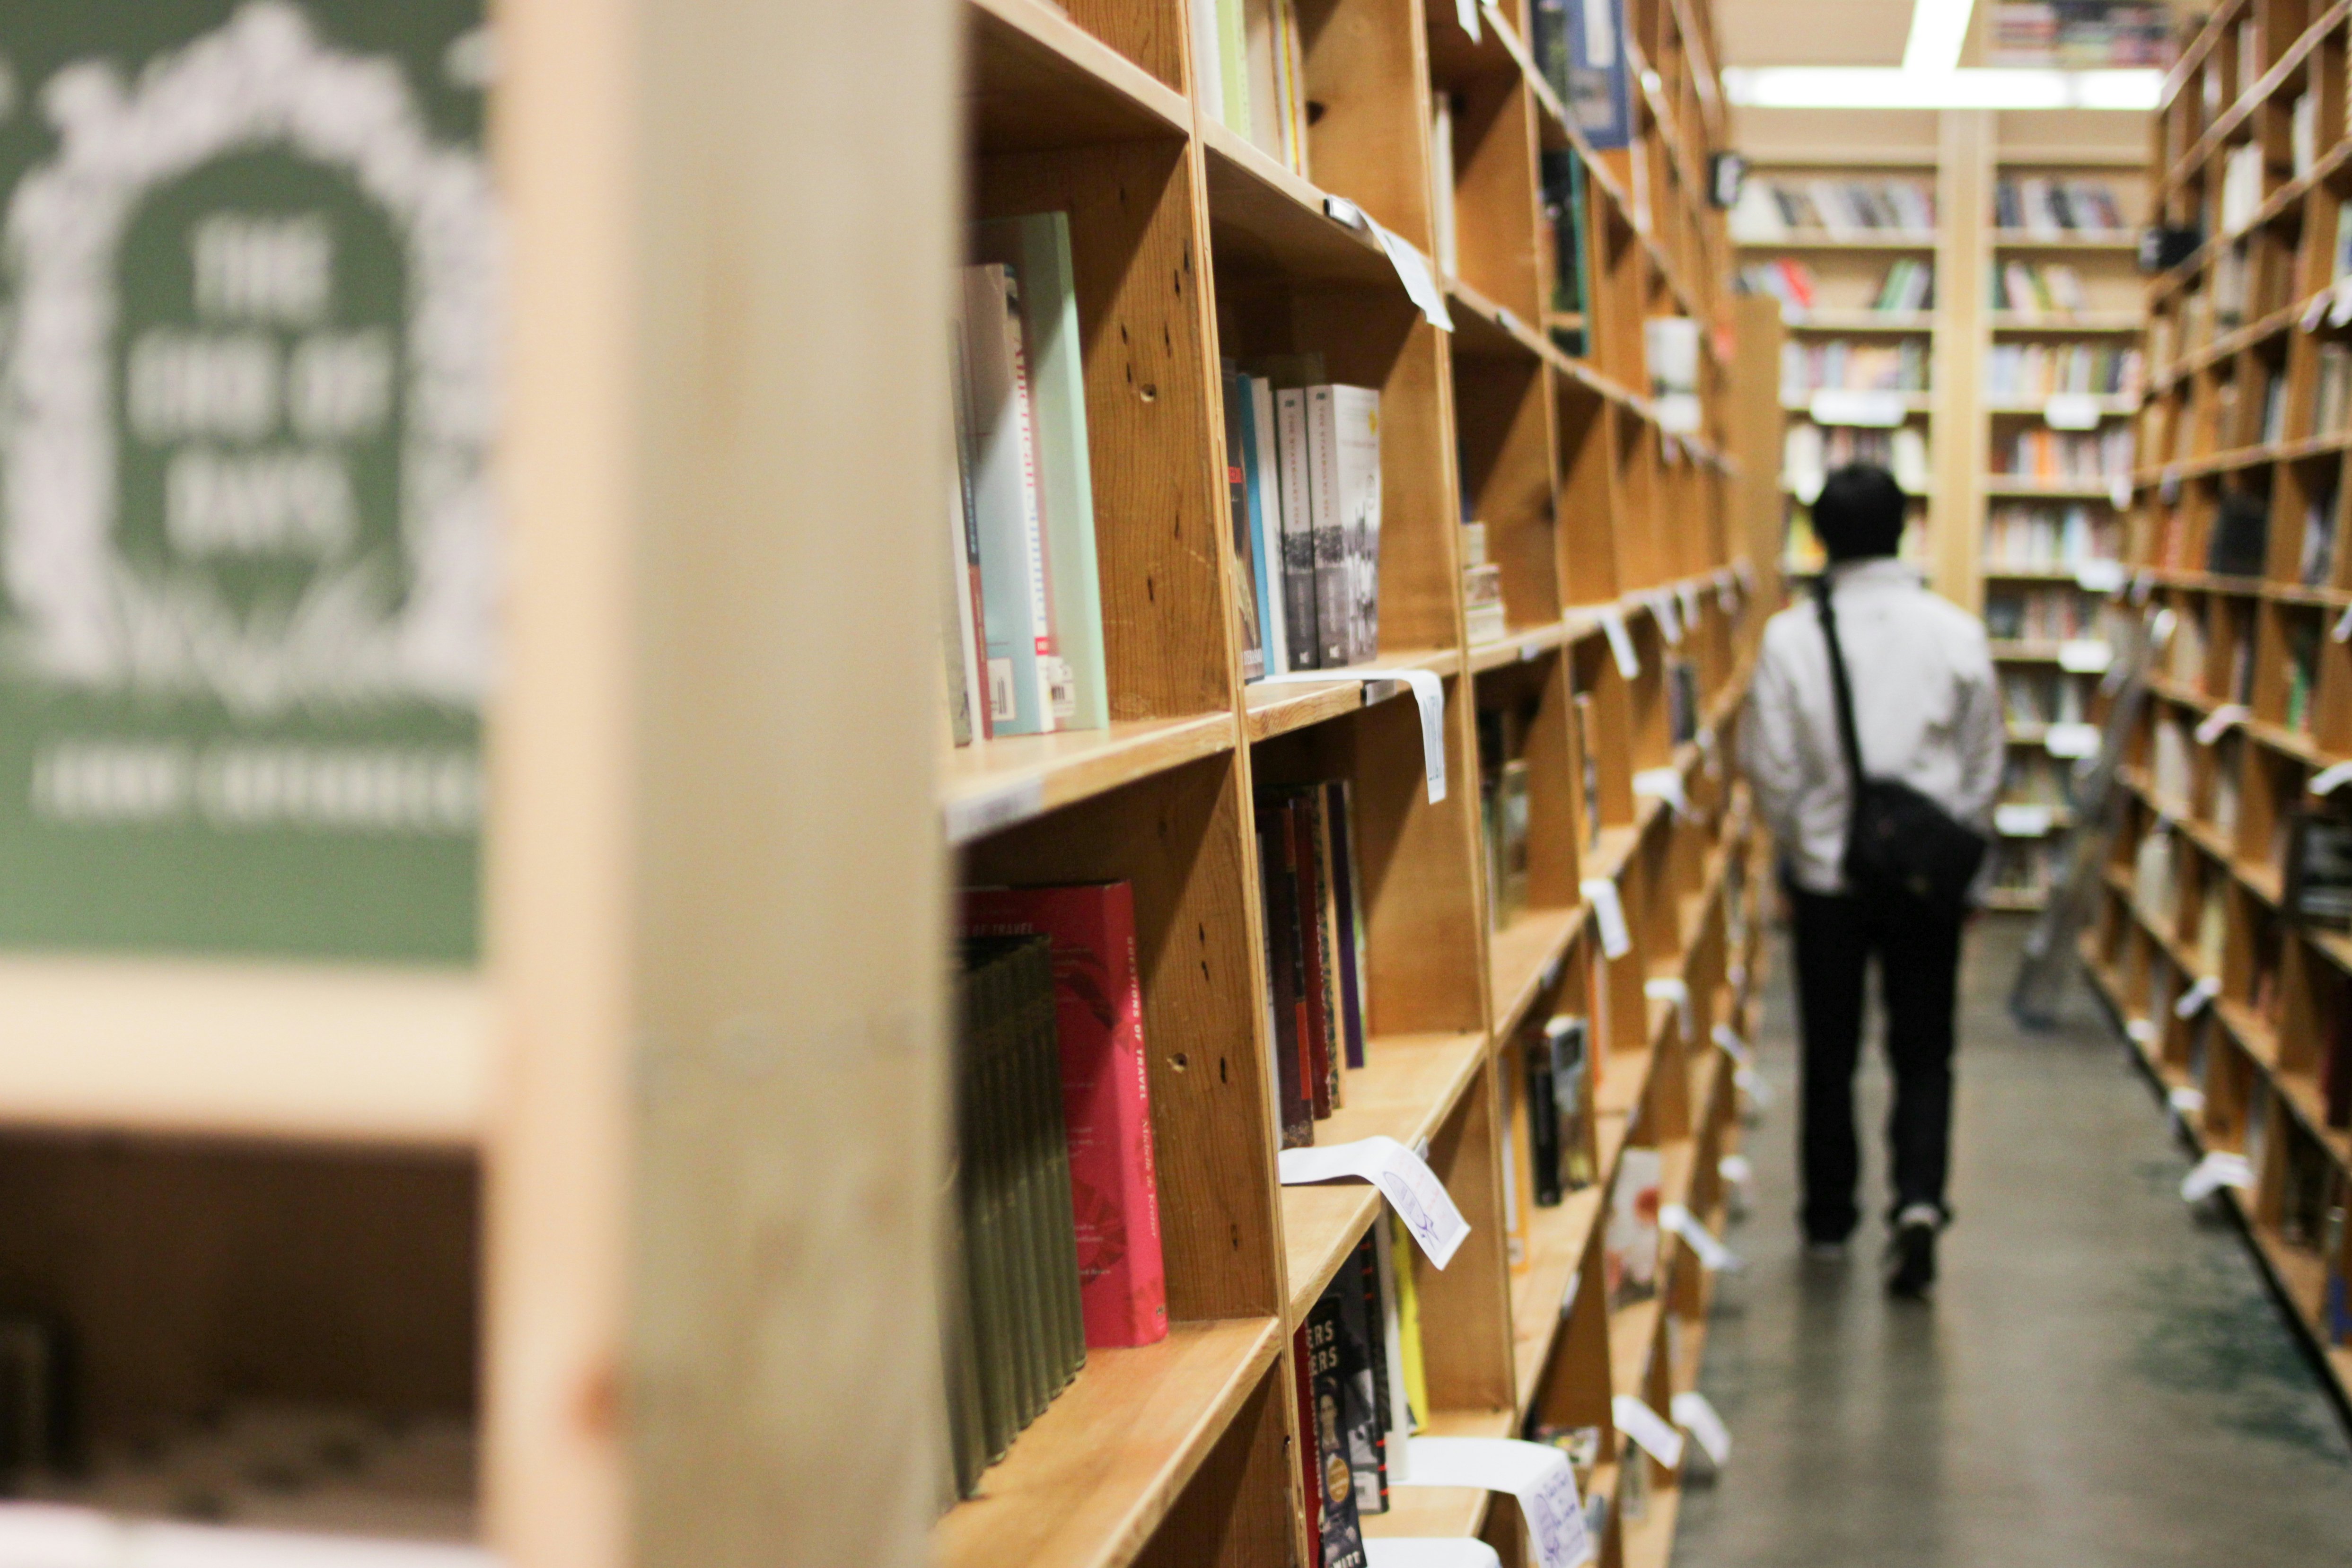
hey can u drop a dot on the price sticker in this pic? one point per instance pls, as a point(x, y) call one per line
point(1621, 641)
point(2218, 723)
point(1601, 893)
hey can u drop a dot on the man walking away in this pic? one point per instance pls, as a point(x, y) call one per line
point(1926, 714)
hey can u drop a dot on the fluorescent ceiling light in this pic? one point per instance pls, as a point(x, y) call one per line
point(1888, 87)
point(1936, 28)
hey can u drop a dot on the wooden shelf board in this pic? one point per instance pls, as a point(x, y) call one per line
point(1091, 1479)
point(1901, 321)
point(1649, 1541)
point(236, 1048)
point(993, 784)
point(1036, 79)
point(1483, 329)
point(1262, 215)
point(1521, 953)
point(1278, 709)
point(2103, 321)
point(1837, 242)
point(1555, 1242)
point(1423, 1511)
point(2120, 240)
point(1523, 643)
point(2110, 405)
point(2006, 485)
point(1409, 1084)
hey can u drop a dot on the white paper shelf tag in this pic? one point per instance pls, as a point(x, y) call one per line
point(1670, 989)
point(1621, 641)
point(2331, 779)
point(1663, 784)
point(2098, 576)
point(1537, 1474)
point(1697, 1417)
point(1600, 892)
point(2214, 1172)
point(2186, 1101)
point(1466, 13)
point(1736, 1169)
point(1428, 1551)
point(2020, 820)
point(1413, 271)
point(1405, 1178)
point(2215, 724)
point(2314, 311)
point(1379, 686)
point(2070, 741)
point(1687, 595)
point(1647, 1426)
point(1712, 1254)
point(2084, 656)
point(2193, 1001)
point(1744, 1075)
point(2070, 411)
point(1875, 410)
point(2342, 630)
point(1668, 613)
point(1710, 754)
point(2141, 1029)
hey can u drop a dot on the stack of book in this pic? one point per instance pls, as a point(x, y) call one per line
point(2020, 372)
point(1835, 209)
point(2039, 614)
point(1361, 1390)
point(2069, 457)
point(1250, 73)
point(1853, 367)
point(2038, 289)
point(2028, 538)
point(1053, 1229)
point(1023, 622)
point(2051, 209)
point(1789, 282)
point(1503, 805)
point(2081, 35)
point(1315, 944)
point(1303, 469)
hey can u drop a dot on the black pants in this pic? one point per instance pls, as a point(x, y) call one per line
point(1918, 977)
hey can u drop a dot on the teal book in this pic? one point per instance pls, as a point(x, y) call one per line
point(1016, 625)
point(1037, 248)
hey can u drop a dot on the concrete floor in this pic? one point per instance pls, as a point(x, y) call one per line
point(2102, 1379)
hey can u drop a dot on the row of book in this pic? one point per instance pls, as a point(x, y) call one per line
point(2066, 456)
point(1250, 73)
point(2040, 694)
point(1317, 955)
point(1356, 1360)
point(2039, 614)
point(1581, 49)
point(1846, 208)
point(1566, 225)
point(2237, 541)
point(1054, 1223)
point(2081, 35)
point(1303, 467)
point(2032, 777)
point(2039, 291)
point(1807, 367)
point(2017, 373)
point(2027, 537)
point(2050, 208)
point(1809, 452)
point(1022, 627)
point(1909, 284)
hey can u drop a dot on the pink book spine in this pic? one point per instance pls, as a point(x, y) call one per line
point(1105, 1096)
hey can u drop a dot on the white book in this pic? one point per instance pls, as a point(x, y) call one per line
point(1343, 436)
point(1441, 174)
point(967, 712)
point(1006, 508)
point(1298, 597)
point(1208, 84)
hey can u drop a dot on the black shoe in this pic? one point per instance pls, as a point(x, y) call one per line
point(1911, 1258)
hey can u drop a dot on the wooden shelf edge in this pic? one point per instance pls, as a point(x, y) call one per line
point(990, 785)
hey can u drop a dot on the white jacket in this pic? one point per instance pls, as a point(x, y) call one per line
point(1927, 711)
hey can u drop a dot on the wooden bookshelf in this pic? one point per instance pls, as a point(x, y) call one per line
point(1185, 1453)
point(1964, 418)
point(2193, 892)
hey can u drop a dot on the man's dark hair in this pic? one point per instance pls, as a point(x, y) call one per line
point(1859, 512)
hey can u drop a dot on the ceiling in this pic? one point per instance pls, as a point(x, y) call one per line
point(1812, 32)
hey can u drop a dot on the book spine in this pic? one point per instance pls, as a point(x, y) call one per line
point(1338, 812)
point(1356, 415)
point(1299, 585)
point(1261, 466)
point(1235, 396)
point(1396, 1414)
point(1543, 1120)
point(1315, 803)
point(1314, 943)
point(1001, 1368)
point(1310, 1452)
point(1366, 1368)
point(1333, 590)
point(1232, 65)
point(1342, 1531)
point(1285, 967)
point(1053, 689)
point(1000, 474)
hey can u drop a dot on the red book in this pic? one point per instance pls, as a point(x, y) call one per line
point(1313, 936)
point(1105, 1094)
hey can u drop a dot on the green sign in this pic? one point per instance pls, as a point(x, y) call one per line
point(249, 258)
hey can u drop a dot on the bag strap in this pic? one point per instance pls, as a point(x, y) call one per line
point(1849, 739)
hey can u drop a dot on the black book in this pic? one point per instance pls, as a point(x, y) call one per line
point(1286, 962)
point(1341, 1532)
point(1543, 1117)
point(2241, 536)
point(1363, 1356)
point(2319, 870)
point(967, 1413)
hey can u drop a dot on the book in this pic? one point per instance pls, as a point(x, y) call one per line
point(1300, 601)
point(1585, 740)
point(1347, 878)
point(968, 715)
point(1630, 1247)
point(1240, 437)
point(1364, 1426)
point(1318, 932)
point(1571, 1039)
point(1310, 1452)
point(1106, 1095)
point(1037, 246)
point(1287, 973)
point(1203, 17)
point(1395, 1402)
point(1542, 1117)
point(1338, 1527)
point(1233, 67)
point(1344, 456)
point(1262, 473)
point(1598, 86)
point(1017, 621)
point(2319, 870)
point(1413, 1367)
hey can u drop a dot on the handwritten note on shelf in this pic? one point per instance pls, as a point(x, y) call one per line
point(1537, 1474)
point(1405, 1178)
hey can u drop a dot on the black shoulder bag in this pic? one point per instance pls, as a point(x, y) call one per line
point(1900, 844)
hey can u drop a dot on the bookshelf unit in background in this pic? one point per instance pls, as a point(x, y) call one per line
point(1193, 246)
point(2238, 1002)
point(2029, 300)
